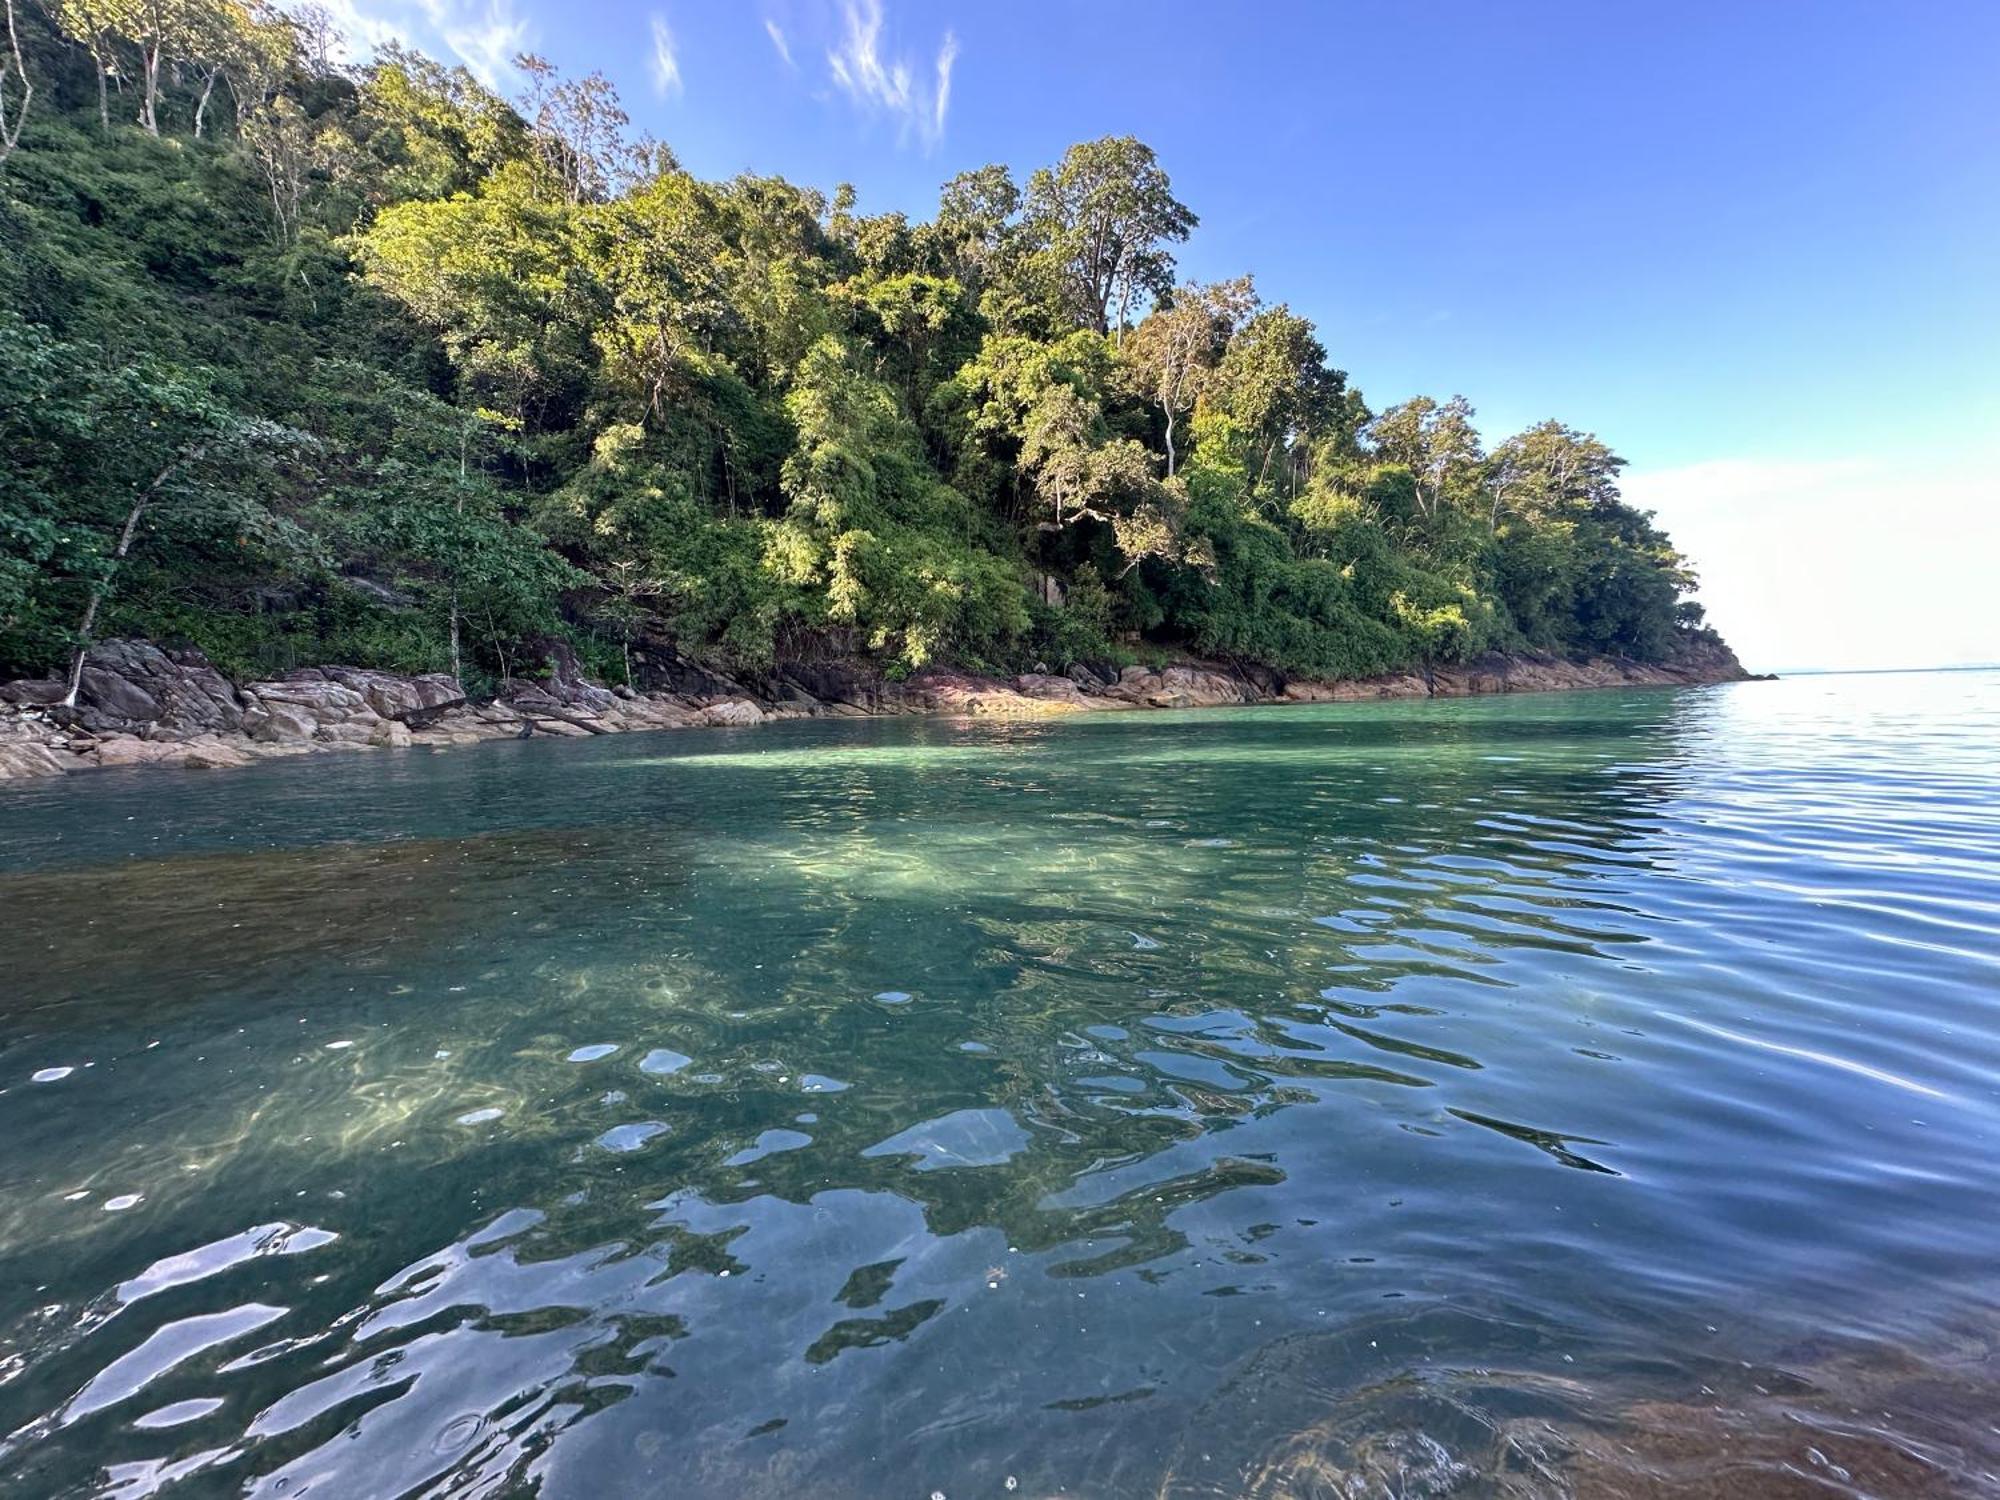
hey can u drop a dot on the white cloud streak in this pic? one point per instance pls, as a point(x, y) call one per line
point(486, 38)
point(485, 35)
point(941, 103)
point(666, 61)
point(880, 83)
point(777, 35)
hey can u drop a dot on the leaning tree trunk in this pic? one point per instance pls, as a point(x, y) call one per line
point(11, 126)
point(201, 106)
point(102, 586)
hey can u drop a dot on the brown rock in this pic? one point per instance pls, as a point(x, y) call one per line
point(732, 713)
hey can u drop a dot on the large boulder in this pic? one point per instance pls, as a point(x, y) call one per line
point(130, 750)
point(209, 753)
point(317, 698)
point(565, 684)
point(33, 692)
point(394, 696)
point(135, 688)
point(23, 758)
point(733, 713)
point(281, 723)
point(659, 668)
point(835, 682)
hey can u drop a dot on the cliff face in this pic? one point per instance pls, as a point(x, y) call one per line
point(140, 705)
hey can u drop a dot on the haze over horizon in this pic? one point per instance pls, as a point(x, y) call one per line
point(1750, 250)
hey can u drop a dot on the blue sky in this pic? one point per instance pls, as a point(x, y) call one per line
point(1755, 247)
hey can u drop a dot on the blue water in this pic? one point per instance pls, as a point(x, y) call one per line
point(1581, 1094)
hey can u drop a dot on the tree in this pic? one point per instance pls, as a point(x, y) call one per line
point(1175, 351)
point(579, 131)
point(160, 30)
point(89, 22)
point(106, 452)
point(1277, 389)
point(657, 253)
point(1100, 221)
point(1550, 472)
point(975, 226)
point(427, 131)
point(1437, 445)
point(250, 47)
point(496, 276)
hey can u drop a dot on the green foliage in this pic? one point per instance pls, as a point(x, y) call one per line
point(383, 367)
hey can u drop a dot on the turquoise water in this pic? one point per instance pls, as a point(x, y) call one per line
point(1501, 1096)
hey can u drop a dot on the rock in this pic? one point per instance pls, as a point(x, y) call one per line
point(832, 683)
point(732, 713)
point(1049, 689)
point(211, 754)
point(658, 668)
point(391, 734)
point(113, 697)
point(317, 698)
point(133, 687)
point(22, 759)
point(37, 690)
point(279, 722)
point(130, 750)
point(398, 697)
point(956, 693)
point(566, 685)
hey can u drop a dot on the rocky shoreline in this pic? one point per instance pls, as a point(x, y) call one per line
point(140, 705)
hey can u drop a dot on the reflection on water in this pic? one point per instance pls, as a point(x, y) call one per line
point(1587, 1095)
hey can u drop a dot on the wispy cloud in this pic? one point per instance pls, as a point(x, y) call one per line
point(486, 38)
point(881, 83)
point(777, 35)
point(941, 103)
point(485, 35)
point(666, 62)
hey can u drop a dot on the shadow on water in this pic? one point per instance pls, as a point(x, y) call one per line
point(1407, 1099)
point(1451, 1401)
point(188, 926)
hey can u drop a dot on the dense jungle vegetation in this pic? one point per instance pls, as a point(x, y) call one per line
point(304, 362)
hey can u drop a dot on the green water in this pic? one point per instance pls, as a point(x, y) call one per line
point(1234, 1102)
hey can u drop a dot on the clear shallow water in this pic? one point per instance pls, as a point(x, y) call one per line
point(1590, 1093)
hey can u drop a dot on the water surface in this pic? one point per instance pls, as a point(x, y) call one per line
point(1575, 1094)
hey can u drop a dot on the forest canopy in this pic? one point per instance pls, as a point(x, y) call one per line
point(303, 362)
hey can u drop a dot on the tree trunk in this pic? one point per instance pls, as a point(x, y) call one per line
point(201, 106)
point(457, 663)
point(10, 129)
point(1170, 442)
point(99, 588)
point(1270, 451)
point(149, 115)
